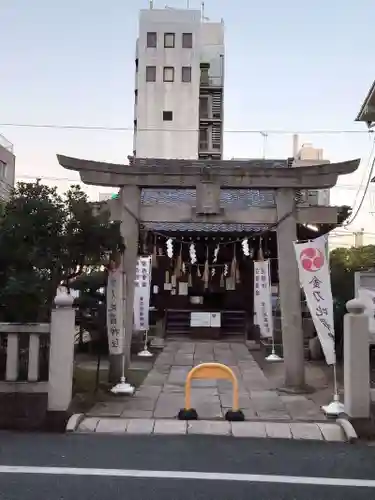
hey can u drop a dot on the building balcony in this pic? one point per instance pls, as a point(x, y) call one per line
point(209, 148)
point(208, 117)
point(209, 82)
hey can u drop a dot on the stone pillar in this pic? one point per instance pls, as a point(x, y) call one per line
point(61, 357)
point(130, 213)
point(356, 361)
point(289, 289)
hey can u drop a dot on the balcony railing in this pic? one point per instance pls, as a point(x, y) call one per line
point(211, 81)
point(6, 144)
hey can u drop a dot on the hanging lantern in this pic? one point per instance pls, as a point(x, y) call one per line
point(226, 269)
point(213, 272)
point(170, 248)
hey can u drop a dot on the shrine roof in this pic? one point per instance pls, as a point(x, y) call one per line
point(233, 198)
point(236, 199)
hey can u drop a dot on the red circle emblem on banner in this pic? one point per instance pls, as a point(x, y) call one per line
point(312, 259)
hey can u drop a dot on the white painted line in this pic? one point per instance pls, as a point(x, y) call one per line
point(206, 476)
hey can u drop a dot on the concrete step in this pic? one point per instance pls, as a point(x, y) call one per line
point(335, 431)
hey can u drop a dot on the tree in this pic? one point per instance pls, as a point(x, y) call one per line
point(91, 306)
point(344, 262)
point(47, 240)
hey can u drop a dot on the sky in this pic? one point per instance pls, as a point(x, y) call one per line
point(292, 65)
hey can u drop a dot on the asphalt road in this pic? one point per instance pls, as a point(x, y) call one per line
point(89, 467)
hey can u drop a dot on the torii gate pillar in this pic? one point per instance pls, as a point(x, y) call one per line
point(289, 290)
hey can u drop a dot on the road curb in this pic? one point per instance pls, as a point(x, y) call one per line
point(348, 429)
point(313, 431)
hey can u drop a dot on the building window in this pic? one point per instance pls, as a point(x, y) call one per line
point(168, 74)
point(187, 40)
point(152, 39)
point(203, 139)
point(186, 74)
point(3, 169)
point(169, 40)
point(150, 73)
point(167, 116)
point(203, 107)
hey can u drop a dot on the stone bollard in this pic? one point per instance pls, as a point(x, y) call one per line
point(356, 361)
point(61, 357)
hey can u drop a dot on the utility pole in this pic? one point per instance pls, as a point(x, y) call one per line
point(265, 138)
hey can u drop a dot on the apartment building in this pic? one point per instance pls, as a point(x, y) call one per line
point(179, 85)
point(308, 155)
point(7, 168)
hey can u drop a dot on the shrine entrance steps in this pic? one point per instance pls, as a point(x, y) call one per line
point(177, 322)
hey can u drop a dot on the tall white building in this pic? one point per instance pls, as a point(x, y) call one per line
point(179, 85)
point(305, 156)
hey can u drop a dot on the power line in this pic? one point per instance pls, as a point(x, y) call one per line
point(365, 170)
point(131, 129)
point(370, 175)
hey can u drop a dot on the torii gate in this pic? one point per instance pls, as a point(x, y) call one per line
point(208, 177)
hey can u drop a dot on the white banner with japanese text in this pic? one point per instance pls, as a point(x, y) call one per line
point(263, 297)
point(315, 279)
point(115, 317)
point(368, 298)
point(142, 294)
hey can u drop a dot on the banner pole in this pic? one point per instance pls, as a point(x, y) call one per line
point(273, 357)
point(123, 387)
point(145, 353)
point(335, 407)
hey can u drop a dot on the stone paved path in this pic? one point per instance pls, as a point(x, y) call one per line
point(161, 395)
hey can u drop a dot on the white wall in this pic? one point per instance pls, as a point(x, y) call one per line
point(212, 50)
point(177, 138)
point(7, 168)
point(306, 156)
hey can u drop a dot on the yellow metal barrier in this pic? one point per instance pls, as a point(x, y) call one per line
point(211, 371)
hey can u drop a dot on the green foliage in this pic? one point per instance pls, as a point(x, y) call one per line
point(344, 263)
point(45, 240)
point(92, 311)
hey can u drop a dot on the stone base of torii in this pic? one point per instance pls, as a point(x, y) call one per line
point(208, 177)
